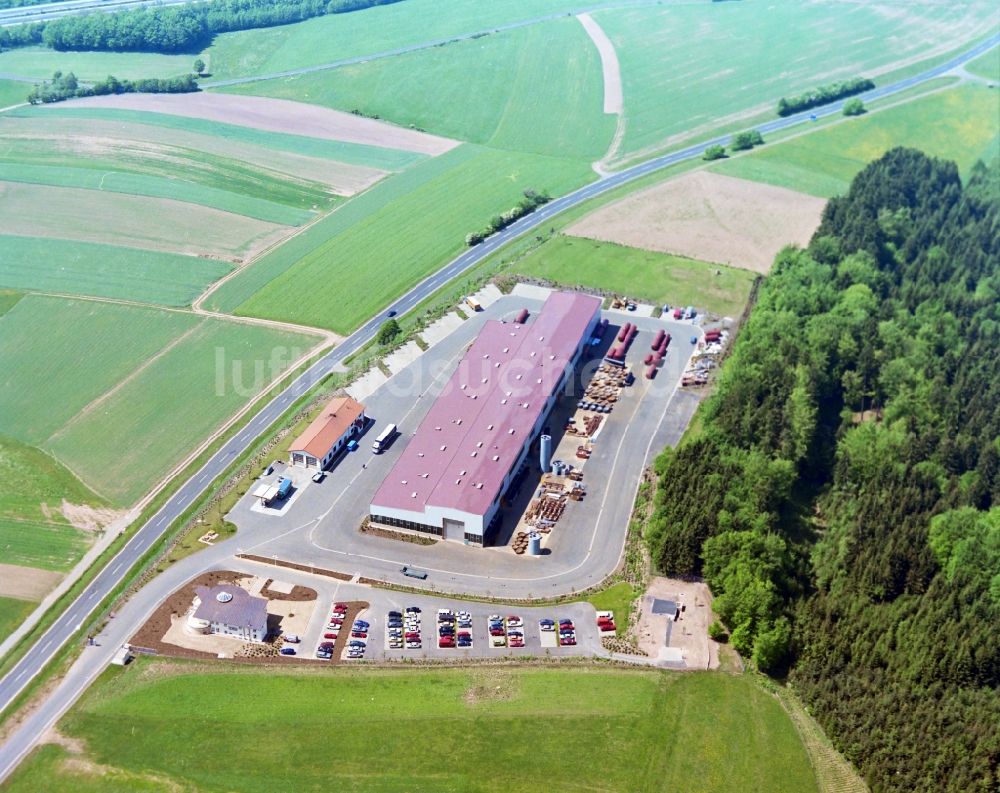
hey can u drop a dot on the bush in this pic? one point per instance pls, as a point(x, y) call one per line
point(854, 107)
point(388, 333)
point(716, 632)
point(747, 140)
point(714, 153)
point(531, 201)
point(62, 87)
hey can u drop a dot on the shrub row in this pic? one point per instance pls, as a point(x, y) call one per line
point(525, 206)
point(824, 95)
point(62, 87)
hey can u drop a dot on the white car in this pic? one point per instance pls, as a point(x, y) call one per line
point(413, 645)
point(514, 622)
point(495, 617)
point(464, 615)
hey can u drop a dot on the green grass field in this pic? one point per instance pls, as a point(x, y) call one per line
point(136, 389)
point(118, 181)
point(49, 546)
point(380, 29)
point(13, 92)
point(40, 63)
point(40, 480)
point(68, 267)
point(550, 100)
point(398, 232)
point(12, 613)
point(987, 65)
point(338, 151)
point(687, 66)
point(658, 278)
point(8, 299)
point(437, 730)
point(957, 124)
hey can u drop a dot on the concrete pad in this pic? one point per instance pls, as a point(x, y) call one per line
point(488, 295)
point(399, 359)
point(532, 291)
point(672, 655)
point(548, 638)
point(367, 384)
point(442, 328)
point(281, 587)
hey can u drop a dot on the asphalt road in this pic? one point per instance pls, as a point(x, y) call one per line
point(113, 573)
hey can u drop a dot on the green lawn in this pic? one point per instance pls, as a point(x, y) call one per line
point(986, 65)
point(12, 613)
point(686, 66)
point(347, 266)
point(957, 124)
point(8, 299)
point(339, 151)
point(550, 100)
point(63, 355)
point(437, 730)
point(617, 598)
point(380, 29)
point(49, 546)
point(659, 278)
point(85, 268)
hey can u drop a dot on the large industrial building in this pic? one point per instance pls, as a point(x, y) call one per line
point(450, 478)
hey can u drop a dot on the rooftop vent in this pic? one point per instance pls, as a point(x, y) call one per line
point(506, 349)
point(496, 458)
point(486, 356)
point(489, 426)
point(519, 377)
point(443, 448)
point(420, 454)
point(438, 429)
point(413, 494)
point(541, 338)
point(424, 476)
point(532, 353)
point(462, 473)
point(479, 445)
point(458, 422)
point(224, 597)
point(473, 454)
point(479, 485)
point(485, 379)
point(503, 401)
point(403, 481)
point(458, 481)
point(496, 365)
point(510, 431)
point(463, 386)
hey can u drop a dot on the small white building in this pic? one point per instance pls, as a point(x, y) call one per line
point(229, 610)
point(342, 419)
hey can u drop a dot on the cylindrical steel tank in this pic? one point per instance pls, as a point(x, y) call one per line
point(534, 544)
point(545, 452)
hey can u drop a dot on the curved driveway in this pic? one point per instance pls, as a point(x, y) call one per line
point(147, 535)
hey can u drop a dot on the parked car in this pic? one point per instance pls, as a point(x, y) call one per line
point(394, 614)
point(464, 641)
point(291, 638)
point(496, 632)
point(412, 635)
point(567, 641)
point(319, 476)
point(287, 650)
point(514, 621)
point(413, 645)
point(516, 642)
point(340, 606)
point(446, 641)
point(412, 609)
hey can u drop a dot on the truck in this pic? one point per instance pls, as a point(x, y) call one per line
point(284, 487)
point(381, 443)
point(474, 304)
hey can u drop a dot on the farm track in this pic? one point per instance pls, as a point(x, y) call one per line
point(107, 580)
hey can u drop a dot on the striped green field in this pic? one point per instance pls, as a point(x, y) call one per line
point(550, 100)
point(957, 124)
point(127, 406)
point(68, 267)
point(338, 151)
point(380, 29)
point(689, 67)
point(347, 266)
point(48, 546)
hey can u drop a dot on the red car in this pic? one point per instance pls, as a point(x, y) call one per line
point(337, 620)
point(606, 626)
point(329, 635)
point(567, 640)
point(446, 641)
point(340, 607)
point(359, 635)
point(411, 637)
point(497, 632)
point(517, 642)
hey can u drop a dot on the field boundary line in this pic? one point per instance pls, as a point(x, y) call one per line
point(101, 398)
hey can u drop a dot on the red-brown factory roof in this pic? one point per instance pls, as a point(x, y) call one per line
point(473, 432)
point(328, 427)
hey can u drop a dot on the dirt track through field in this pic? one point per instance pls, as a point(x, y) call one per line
point(708, 216)
point(277, 115)
point(609, 64)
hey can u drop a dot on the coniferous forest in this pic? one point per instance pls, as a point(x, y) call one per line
point(843, 497)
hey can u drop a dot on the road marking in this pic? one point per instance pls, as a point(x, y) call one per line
point(119, 567)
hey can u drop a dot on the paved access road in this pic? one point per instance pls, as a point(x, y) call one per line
point(147, 535)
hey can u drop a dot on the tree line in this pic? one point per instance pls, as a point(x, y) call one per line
point(824, 95)
point(531, 201)
point(843, 497)
point(171, 29)
point(66, 86)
